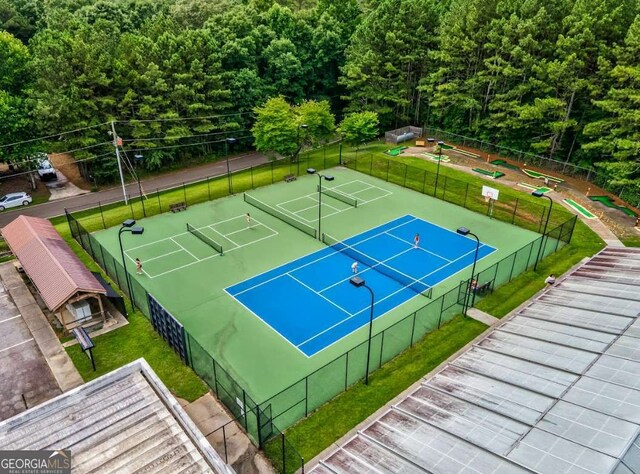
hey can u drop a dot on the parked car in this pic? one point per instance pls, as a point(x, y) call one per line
point(45, 170)
point(14, 200)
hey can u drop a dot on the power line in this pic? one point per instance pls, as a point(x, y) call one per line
point(54, 135)
point(182, 118)
point(180, 137)
point(183, 145)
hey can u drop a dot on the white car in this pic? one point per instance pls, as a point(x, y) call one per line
point(14, 200)
point(45, 170)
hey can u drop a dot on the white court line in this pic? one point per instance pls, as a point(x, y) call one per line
point(321, 296)
point(419, 248)
point(182, 233)
point(9, 319)
point(212, 256)
point(266, 323)
point(16, 345)
point(185, 249)
point(161, 256)
point(367, 307)
point(332, 254)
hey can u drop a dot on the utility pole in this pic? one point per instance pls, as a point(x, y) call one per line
point(115, 144)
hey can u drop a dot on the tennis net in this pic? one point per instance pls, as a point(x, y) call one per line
point(340, 196)
point(307, 229)
point(405, 280)
point(207, 240)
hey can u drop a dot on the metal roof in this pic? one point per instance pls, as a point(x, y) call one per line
point(50, 263)
point(124, 421)
point(555, 388)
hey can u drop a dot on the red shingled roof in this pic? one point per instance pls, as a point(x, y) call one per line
point(50, 263)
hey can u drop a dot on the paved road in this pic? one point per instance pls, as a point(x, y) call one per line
point(85, 201)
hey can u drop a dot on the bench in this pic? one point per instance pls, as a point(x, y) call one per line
point(290, 177)
point(483, 289)
point(85, 342)
point(421, 143)
point(177, 207)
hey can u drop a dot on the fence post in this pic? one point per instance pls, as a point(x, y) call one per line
point(209, 187)
point(381, 349)
point(466, 192)
point(184, 192)
point(515, 208)
point(244, 402)
point(306, 395)
point(159, 201)
point(441, 310)
point(413, 329)
point(340, 153)
point(272, 172)
point(104, 225)
point(388, 164)
point(346, 372)
point(284, 456)
point(224, 438)
point(215, 376)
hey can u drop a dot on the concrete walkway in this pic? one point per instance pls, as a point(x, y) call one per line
point(483, 317)
point(231, 443)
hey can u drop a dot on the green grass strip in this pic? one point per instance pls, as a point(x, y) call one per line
point(535, 174)
point(606, 200)
point(585, 212)
point(332, 421)
point(493, 174)
point(504, 164)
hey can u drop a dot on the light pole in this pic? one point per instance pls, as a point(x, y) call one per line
point(327, 178)
point(227, 142)
point(138, 159)
point(128, 226)
point(464, 231)
point(358, 282)
point(435, 188)
point(544, 232)
point(304, 126)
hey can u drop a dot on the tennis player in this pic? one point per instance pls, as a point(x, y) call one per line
point(354, 267)
point(416, 241)
point(138, 266)
point(248, 217)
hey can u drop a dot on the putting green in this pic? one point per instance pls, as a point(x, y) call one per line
point(580, 210)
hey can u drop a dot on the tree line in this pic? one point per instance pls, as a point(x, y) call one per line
point(559, 78)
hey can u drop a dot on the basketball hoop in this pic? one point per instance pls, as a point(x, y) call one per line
point(487, 198)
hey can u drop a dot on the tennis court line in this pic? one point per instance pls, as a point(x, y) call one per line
point(313, 196)
point(267, 324)
point(212, 256)
point(161, 256)
point(419, 248)
point(367, 308)
point(321, 296)
point(331, 254)
point(197, 259)
point(183, 233)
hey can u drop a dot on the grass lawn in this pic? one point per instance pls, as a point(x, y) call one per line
point(631, 241)
point(331, 421)
point(139, 339)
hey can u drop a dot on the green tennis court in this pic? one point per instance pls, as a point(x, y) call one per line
point(187, 273)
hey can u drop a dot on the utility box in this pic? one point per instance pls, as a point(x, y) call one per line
point(80, 310)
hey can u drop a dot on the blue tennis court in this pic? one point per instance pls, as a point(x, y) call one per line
point(311, 303)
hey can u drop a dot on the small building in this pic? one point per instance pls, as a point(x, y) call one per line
point(66, 286)
point(124, 421)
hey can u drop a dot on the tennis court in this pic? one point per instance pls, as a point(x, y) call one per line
point(293, 334)
point(321, 306)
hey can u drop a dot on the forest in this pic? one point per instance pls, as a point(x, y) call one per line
point(560, 78)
